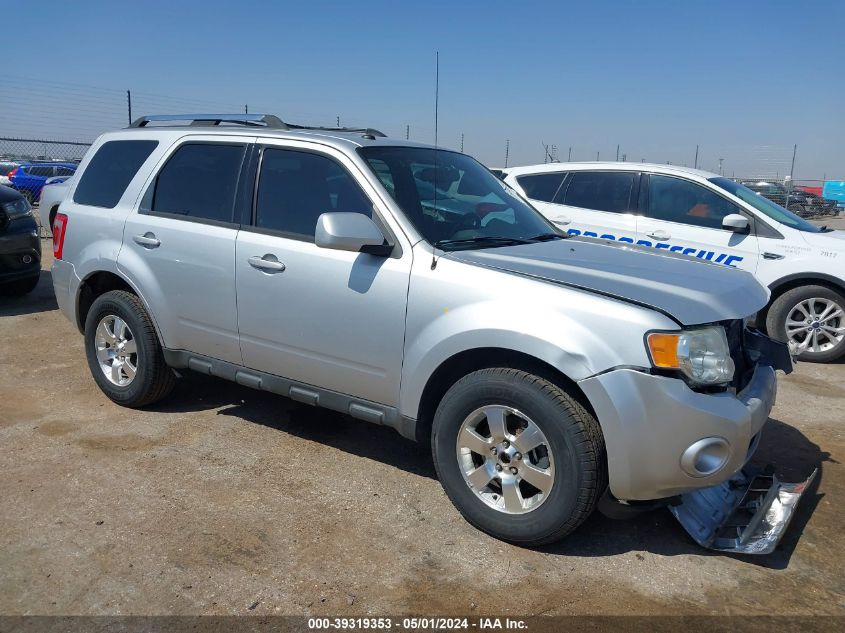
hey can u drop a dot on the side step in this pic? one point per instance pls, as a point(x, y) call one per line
point(748, 514)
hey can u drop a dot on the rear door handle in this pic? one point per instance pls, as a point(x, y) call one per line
point(147, 240)
point(562, 219)
point(269, 263)
point(659, 235)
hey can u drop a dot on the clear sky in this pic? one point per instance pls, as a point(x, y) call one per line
point(745, 80)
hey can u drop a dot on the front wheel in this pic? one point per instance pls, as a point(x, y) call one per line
point(518, 456)
point(811, 320)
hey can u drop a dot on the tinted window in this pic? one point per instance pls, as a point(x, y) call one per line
point(199, 181)
point(109, 172)
point(541, 187)
point(602, 191)
point(677, 200)
point(295, 188)
point(40, 170)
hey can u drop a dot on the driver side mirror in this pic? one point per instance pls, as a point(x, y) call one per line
point(736, 223)
point(353, 232)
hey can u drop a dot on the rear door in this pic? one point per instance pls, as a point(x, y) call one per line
point(685, 217)
point(180, 245)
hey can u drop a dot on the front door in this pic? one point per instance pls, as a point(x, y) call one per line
point(685, 217)
point(329, 318)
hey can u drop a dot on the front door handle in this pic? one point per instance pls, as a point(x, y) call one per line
point(268, 263)
point(562, 219)
point(147, 240)
point(659, 235)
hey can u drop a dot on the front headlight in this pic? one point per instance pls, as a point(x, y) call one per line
point(17, 209)
point(701, 354)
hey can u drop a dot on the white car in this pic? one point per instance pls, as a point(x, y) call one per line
point(52, 194)
point(704, 215)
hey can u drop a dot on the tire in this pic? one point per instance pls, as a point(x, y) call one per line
point(787, 309)
point(20, 287)
point(152, 379)
point(572, 459)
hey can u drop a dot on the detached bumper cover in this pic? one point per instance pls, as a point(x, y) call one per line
point(747, 514)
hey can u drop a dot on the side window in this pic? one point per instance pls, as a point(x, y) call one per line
point(542, 187)
point(601, 190)
point(64, 171)
point(199, 181)
point(676, 200)
point(41, 171)
point(110, 171)
point(295, 188)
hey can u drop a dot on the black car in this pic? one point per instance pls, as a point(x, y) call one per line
point(20, 246)
point(817, 205)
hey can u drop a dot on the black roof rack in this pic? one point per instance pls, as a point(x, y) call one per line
point(250, 120)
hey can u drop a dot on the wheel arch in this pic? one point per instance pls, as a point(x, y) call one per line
point(467, 361)
point(99, 282)
point(787, 283)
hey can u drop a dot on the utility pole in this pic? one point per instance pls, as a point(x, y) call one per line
point(554, 154)
point(129, 105)
point(792, 168)
point(407, 132)
point(696, 157)
point(569, 158)
point(597, 157)
point(720, 166)
point(338, 121)
point(617, 152)
point(246, 109)
point(507, 150)
point(462, 142)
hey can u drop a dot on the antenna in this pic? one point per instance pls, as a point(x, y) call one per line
point(436, 92)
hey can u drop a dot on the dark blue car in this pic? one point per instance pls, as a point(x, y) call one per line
point(29, 178)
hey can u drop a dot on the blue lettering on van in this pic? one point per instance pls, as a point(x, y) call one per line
point(719, 258)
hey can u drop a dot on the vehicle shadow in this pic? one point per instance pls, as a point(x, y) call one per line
point(792, 454)
point(380, 443)
point(41, 299)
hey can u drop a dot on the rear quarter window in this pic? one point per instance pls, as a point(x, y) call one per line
point(541, 187)
point(110, 171)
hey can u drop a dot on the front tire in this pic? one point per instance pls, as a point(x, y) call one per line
point(123, 352)
point(518, 456)
point(811, 320)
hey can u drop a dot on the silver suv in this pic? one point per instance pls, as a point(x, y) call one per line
point(407, 286)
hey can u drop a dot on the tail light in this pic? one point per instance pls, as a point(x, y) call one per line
point(59, 228)
point(12, 173)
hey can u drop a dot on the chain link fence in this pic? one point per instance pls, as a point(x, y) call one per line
point(30, 165)
point(807, 198)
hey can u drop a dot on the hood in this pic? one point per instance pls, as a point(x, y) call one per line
point(831, 239)
point(689, 290)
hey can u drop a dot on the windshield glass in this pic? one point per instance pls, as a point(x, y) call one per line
point(765, 206)
point(453, 201)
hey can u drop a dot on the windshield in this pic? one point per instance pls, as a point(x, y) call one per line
point(765, 206)
point(453, 201)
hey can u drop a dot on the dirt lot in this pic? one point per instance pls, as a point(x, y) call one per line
point(224, 500)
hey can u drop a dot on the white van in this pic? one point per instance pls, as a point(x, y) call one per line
point(715, 219)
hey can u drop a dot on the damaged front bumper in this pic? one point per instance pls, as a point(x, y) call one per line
point(748, 514)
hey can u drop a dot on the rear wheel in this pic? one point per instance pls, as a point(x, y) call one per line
point(518, 456)
point(811, 320)
point(123, 352)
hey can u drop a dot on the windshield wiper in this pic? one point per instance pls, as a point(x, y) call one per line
point(547, 237)
point(481, 240)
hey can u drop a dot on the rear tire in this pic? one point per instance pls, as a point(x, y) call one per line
point(134, 373)
point(568, 465)
point(793, 318)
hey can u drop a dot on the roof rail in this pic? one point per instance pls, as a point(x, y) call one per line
point(252, 120)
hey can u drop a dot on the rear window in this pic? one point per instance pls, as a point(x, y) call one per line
point(541, 187)
point(199, 182)
point(108, 174)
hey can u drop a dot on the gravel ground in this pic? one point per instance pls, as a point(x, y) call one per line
point(224, 500)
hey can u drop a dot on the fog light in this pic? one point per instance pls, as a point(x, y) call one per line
point(706, 456)
point(26, 259)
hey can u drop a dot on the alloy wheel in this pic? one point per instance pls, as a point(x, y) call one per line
point(815, 325)
point(116, 350)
